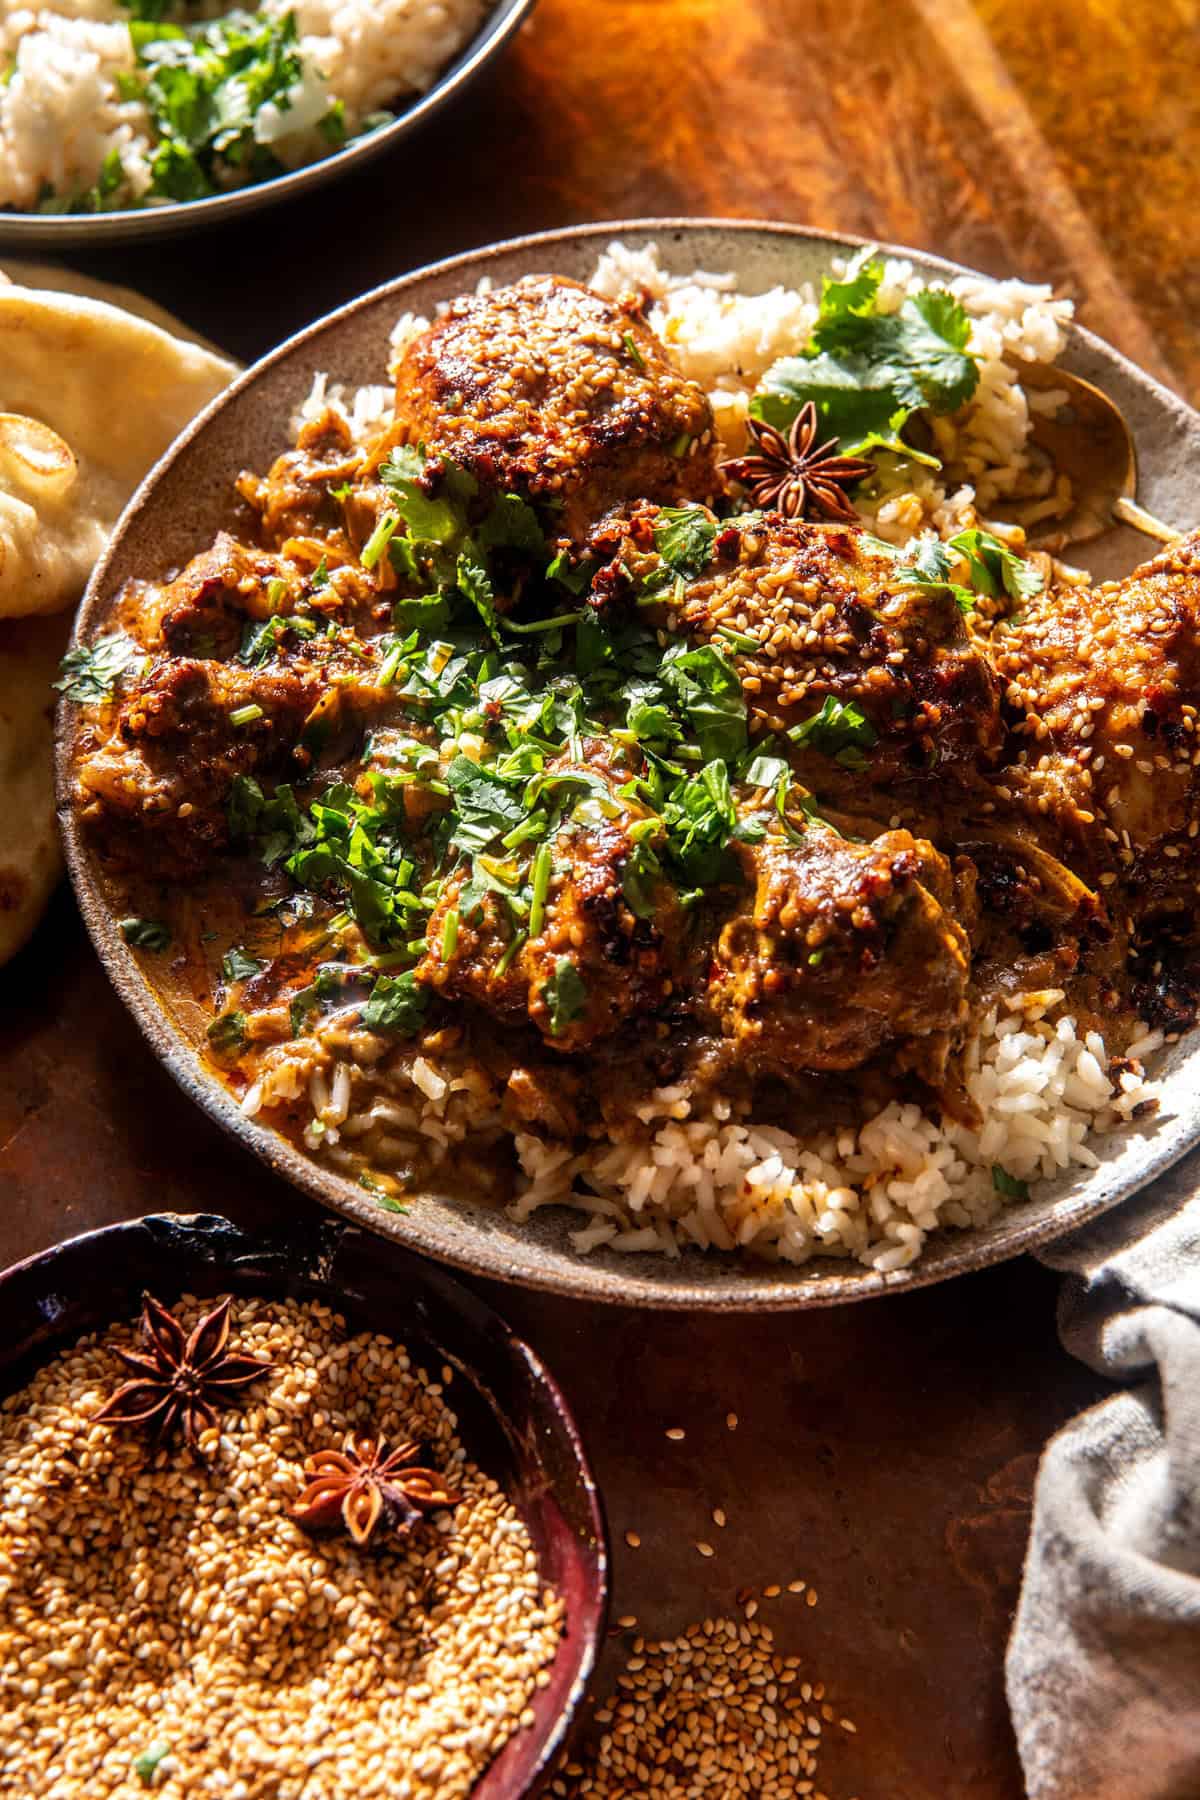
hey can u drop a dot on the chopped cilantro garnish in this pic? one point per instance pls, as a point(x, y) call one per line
point(450, 934)
point(237, 966)
point(709, 692)
point(218, 94)
point(145, 934)
point(684, 537)
point(839, 730)
point(379, 539)
point(404, 474)
point(1009, 1185)
point(397, 1005)
point(262, 638)
point(91, 673)
point(227, 1033)
point(995, 569)
point(543, 863)
point(565, 995)
point(145, 1764)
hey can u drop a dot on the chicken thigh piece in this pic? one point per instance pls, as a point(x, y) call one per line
point(598, 952)
point(815, 621)
point(1104, 684)
point(846, 951)
point(559, 395)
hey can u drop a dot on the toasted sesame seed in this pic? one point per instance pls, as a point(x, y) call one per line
point(676, 1434)
point(199, 1619)
point(711, 1712)
point(706, 1549)
point(731, 1421)
point(633, 1540)
point(718, 1516)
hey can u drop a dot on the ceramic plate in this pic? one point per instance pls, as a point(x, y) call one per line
point(98, 231)
point(186, 498)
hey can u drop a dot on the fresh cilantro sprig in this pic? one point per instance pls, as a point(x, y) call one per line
point(868, 372)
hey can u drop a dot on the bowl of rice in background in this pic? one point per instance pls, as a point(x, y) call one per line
point(702, 1208)
point(87, 157)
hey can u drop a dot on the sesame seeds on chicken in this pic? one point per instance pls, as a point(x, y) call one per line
point(565, 397)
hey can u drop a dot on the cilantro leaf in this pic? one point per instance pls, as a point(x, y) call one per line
point(485, 806)
point(237, 966)
point(840, 731)
point(866, 371)
point(397, 1005)
point(708, 691)
point(217, 92)
point(227, 1033)
point(565, 995)
point(512, 524)
point(475, 583)
point(404, 474)
point(684, 536)
point(995, 569)
point(642, 870)
point(145, 934)
point(1009, 1185)
point(91, 673)
point(929, 572)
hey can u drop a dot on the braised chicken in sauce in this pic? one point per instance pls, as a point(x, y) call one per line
point(507, 733)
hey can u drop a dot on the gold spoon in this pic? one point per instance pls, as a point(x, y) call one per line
point(1088, 440)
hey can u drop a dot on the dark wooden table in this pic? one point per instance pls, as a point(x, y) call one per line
point(884, 1453)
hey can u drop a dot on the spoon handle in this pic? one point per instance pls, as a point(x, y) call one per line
point(1128, 512)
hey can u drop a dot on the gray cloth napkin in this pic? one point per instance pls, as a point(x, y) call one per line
point(1104, 1662)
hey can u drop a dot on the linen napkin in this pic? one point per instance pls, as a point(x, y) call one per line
point(1104, 1662)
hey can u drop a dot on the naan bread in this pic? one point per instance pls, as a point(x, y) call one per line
point(90, 397)
point(49, 277)
point(30, 858)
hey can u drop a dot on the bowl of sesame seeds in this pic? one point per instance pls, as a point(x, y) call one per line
point(283, 1516)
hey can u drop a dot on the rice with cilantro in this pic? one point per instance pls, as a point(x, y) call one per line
point(105, 105)
point(692, 1171)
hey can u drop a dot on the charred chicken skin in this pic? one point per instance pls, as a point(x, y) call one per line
point(550, 391)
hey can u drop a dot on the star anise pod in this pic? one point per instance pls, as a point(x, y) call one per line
point(361, 1484)
point(179, 1377)
point(795, 473)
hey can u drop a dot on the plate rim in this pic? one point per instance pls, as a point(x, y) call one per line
point(743, 1286)
point(98, 231)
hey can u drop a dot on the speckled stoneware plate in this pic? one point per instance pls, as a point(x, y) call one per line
point(512, 1417)
point(180, 506)
point(99, 231)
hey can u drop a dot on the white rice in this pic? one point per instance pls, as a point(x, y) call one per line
point(704, 1176)
point(62, 115)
